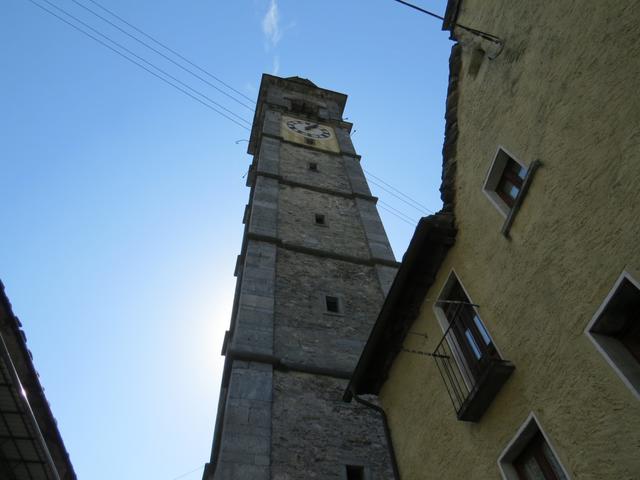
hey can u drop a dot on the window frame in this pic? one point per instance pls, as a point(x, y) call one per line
point(494, 178)
point(615, 353)
point(444, 323)
point(341, 304)
point(519, 443)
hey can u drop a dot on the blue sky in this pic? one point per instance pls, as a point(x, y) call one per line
point(122, 198)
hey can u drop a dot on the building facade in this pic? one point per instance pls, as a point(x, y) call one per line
point(314, 268)
point(509, 344)
point(31, 447)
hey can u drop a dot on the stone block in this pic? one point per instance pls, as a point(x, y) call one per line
point(269, 156)
point(355, 175)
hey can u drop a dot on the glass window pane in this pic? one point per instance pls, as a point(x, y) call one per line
point(482, 330)
point(472, 343)
point(523, 172)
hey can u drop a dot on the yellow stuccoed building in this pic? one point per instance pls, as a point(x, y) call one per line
point(509, 343)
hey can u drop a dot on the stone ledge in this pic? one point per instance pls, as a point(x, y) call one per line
point(372, 261)
point(292, 183)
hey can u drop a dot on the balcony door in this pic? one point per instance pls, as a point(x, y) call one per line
point(472, 338)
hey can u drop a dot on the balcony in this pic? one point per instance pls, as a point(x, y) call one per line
point(471, 369)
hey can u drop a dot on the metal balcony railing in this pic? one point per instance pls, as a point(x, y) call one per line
point(471, 369)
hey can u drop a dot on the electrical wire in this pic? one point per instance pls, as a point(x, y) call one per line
point(147, 62)
point(480, 33)
point(396, 196)
point(416, 203)
point(158, 42)
point(387, 187)
point(187, 473)
point(396, 215)
point(162, 54)
point(391, 207)
point(136, 63)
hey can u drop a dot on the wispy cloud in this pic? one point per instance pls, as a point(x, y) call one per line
point(271, 25)
point(276, 65)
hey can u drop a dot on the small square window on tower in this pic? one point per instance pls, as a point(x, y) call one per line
point(332, 304)
point(313, 166)
point(320, 219)
point(355, 472)
point(615, 330)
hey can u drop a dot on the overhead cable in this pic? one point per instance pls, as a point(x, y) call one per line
point(396, 215)
point(199, 77)
point(480, 33)
point(137, 63)
point(158, 42)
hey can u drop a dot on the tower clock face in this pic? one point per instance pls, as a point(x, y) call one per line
point(309, 129)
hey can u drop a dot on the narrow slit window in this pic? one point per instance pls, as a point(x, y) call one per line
point(310, 141)
point(332, 304)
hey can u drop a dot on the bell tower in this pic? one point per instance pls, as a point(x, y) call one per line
point(312, 274)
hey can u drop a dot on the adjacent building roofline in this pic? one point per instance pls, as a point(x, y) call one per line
point(431, 241)
point(451, 15)
point(16, 344)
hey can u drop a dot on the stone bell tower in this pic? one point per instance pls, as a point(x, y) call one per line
point(314, 268)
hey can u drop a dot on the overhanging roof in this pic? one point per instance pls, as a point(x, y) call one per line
point(31, 447)
point(431, 241)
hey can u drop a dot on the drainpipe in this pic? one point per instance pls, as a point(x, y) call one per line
point(387, 431)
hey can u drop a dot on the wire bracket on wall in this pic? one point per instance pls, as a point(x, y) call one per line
point(423, 353)
point(497, 41)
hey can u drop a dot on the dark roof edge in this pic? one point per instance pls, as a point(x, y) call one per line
point(433, 236)
point(23, 363)
point(451, 15)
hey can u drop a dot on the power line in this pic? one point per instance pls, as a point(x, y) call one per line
point(136, 63)
point(380, 182)
point(160, 53)
point(187, 473)
point(480, 33)
point(400, 192)
point(147, 62)
point(399, 212)
point(171, 50)
point(397, 196)
point(206, 72)
point(396, 215)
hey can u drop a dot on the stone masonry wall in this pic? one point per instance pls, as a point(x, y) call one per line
point(305, 408)
point(304, 332)
point(342, 232)
point(294, 165)
point(245, 447)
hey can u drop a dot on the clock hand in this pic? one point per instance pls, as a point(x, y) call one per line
point(309, 127)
